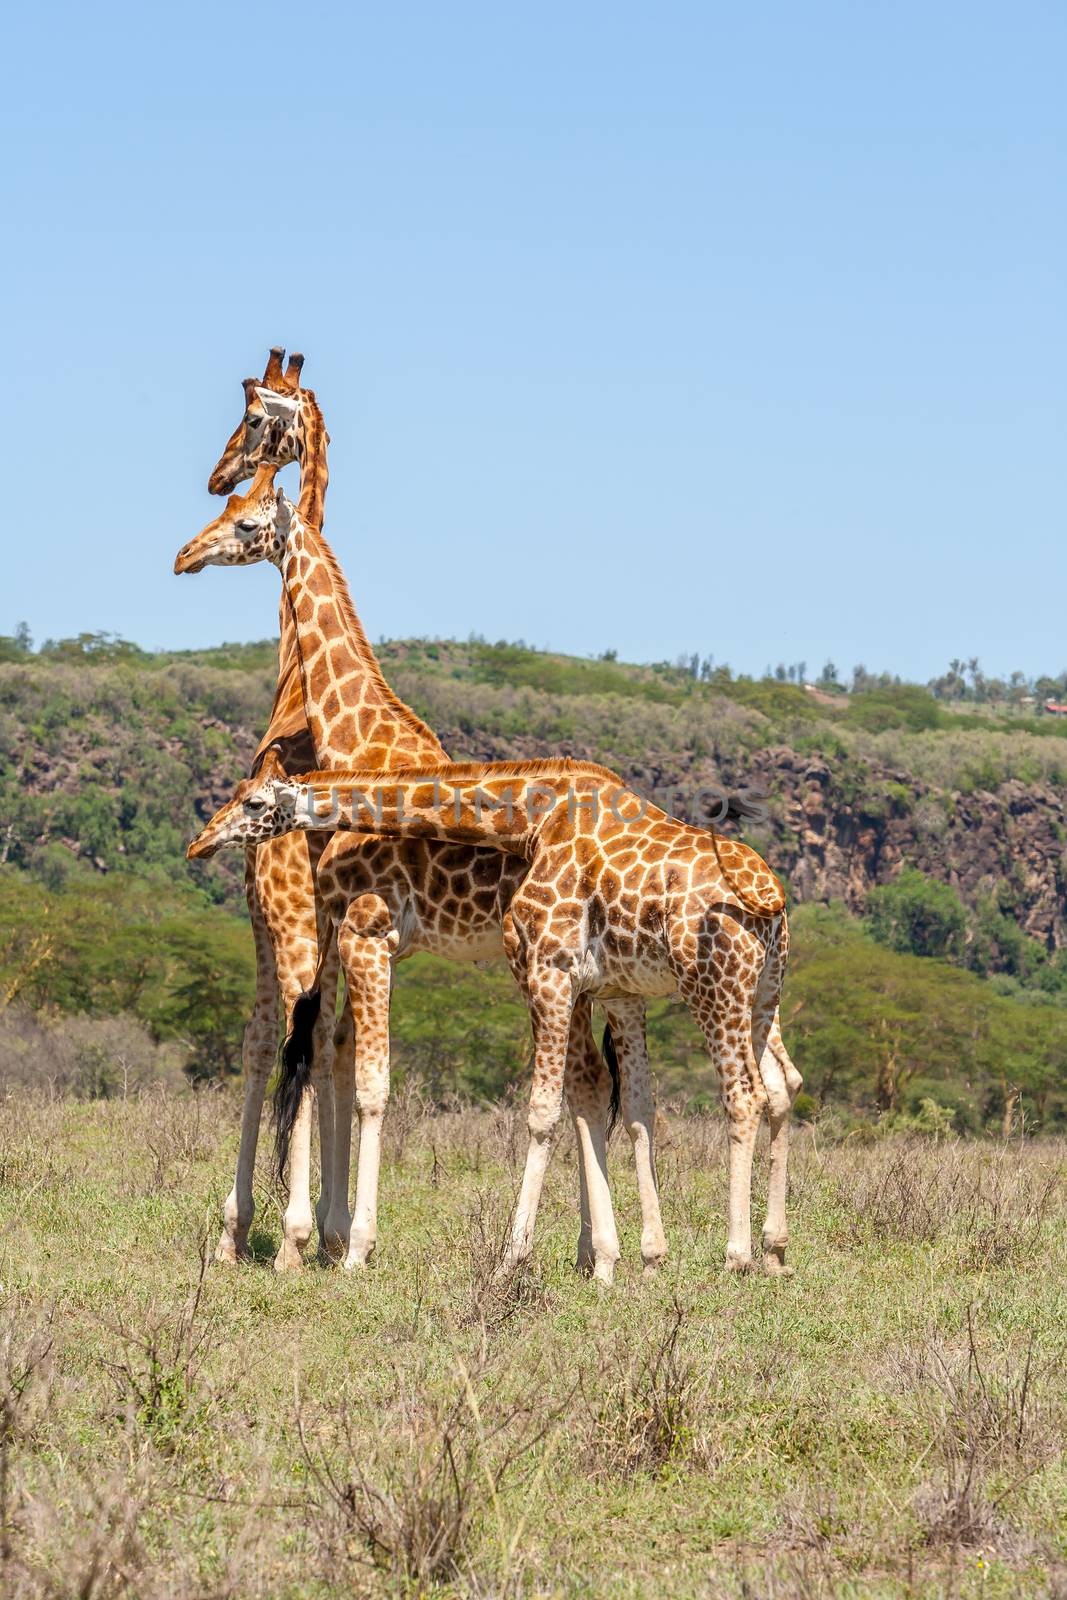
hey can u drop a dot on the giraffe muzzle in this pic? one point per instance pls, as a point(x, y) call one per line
point(190, 559)
point(203, 846)
point(225, 478)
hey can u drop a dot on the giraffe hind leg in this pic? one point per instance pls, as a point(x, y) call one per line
point(722, 1007)
point(783, 1083)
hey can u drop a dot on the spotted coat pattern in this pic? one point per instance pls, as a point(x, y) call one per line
point(403, 896)
point(620, 901)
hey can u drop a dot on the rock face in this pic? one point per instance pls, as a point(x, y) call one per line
point(114, 764)
point(837, 832)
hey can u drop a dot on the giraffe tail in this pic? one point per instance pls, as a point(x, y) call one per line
point(607, 1049)
point(297, 1055)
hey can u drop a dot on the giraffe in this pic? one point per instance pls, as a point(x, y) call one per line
point(287, 920)
point(394, 902)
point(620, 901)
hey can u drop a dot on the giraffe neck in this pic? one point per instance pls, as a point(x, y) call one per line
point(311, 455)
point(508, 805)
point(288, 719)
point(571, 807)
point(351, 711)
point(287, 716)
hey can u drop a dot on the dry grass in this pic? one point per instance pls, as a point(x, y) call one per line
point(889, 1422)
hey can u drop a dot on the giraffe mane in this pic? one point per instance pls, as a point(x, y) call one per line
point(351, 620)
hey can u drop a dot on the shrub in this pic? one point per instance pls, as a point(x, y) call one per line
point(919, 914)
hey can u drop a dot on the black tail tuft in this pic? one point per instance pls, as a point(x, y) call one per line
point(607, 1047)
point(295, 1075)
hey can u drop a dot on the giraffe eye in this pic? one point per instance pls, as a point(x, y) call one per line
point(253, 421)
point(246, 525)
point(254, 807)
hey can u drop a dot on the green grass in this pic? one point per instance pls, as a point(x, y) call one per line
point(888, 1422)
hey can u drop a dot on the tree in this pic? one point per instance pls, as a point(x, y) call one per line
point(210, 994)
point(917, 914)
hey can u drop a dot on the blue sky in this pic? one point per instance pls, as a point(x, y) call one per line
point(738, 329)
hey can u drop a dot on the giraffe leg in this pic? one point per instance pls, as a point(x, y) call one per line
point(627, 1019)
point(721, 1004)
point(588, 1085)
point(550, 999)
point(338, 1218)
point(260, 1047)
point(298, 1220)
point(322, 1077)
point(782, 1082)
point(584, 1260)
point(258, 1052)
point(366, 943)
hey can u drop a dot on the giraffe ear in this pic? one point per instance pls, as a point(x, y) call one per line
point(285, 406)
point(271, 765)
point(284, 517)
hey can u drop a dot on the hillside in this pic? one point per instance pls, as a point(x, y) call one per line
point(933, 824)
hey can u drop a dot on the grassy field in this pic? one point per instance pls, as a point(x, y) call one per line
point(888, 1422)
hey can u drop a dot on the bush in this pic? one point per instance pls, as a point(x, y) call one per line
point(917, 914)
point(92, 1058)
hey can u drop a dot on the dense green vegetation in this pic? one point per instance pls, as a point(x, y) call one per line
point(109, 755)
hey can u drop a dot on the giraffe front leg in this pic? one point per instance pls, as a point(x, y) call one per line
point(299, 971)
point(298, 1219)
point(588, 1086)
point(239, 1207)
point(338, 1221)
point(257, 1058)
point(627, 1020)
point(322, 1077)
point(367, 960)
point(550, 1000)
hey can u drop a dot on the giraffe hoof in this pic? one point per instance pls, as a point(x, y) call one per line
point(288, 1258)
point(229, 1251)
point(358, 1257)
point(740, 1264)
point(774, 1257)
point(604, 1274)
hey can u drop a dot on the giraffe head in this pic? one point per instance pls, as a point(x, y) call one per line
point(268, 432)
point(254, 527)
point(262, 807)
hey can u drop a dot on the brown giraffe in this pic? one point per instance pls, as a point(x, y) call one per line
point(620, 901)
point(390, 900)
